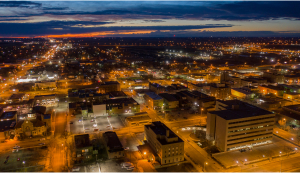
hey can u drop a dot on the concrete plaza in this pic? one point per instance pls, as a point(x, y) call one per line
point(278, 148)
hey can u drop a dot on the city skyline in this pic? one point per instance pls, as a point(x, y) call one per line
point(149, 19)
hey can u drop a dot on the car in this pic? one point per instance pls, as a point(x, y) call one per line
point(42, 139)
point(71, 122)
point(16, 147)
point(126, 165)
point(80, 120)
point(5, 161)
point(126, 148)
point(185, 118)
point(242, 150)
point(41, 143)
point(92, 120)
point(15, 150)
point(75, 169)
point(94, 125)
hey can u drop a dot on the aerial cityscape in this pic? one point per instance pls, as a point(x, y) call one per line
point(149, 86)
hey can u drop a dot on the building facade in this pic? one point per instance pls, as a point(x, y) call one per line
point(236, 124)
point(168, 146)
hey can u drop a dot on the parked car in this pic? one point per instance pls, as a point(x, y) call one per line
point(127, 165)
point(16, 147)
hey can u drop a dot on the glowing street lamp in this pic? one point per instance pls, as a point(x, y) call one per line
point(204, 166)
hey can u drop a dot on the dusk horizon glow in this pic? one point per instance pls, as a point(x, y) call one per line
point(22, 19)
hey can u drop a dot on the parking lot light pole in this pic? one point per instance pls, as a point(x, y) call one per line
point(205, 163)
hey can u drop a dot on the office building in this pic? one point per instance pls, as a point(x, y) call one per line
point(236, 124)
point(165, 143)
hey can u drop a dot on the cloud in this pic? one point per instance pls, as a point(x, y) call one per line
point(154, 21)
point(215, 10)
point(76, 27)
point(20, 4)
point(25, 18)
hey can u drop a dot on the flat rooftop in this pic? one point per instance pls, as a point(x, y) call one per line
point(161, 129)
point(8, 115)
point(168, 97)
point(117, 94)
point(153, 95)
point(113, 141)
point(242, 91)
point(273, 87)
point(121, 100)
point(244, 110)
point(16, 96)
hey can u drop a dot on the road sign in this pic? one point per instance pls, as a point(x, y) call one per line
point(95, 152)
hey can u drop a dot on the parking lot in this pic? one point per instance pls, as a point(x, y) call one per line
point(22, 158)
point(101, 123)
point(264, 152)
point(105, 166)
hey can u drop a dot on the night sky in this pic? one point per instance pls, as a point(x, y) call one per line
point(149, 19)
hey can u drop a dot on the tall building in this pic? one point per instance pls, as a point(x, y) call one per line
point(236, 124)
point(168, 146)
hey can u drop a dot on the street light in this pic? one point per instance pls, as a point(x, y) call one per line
point(204, 166)
point(280, 161)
